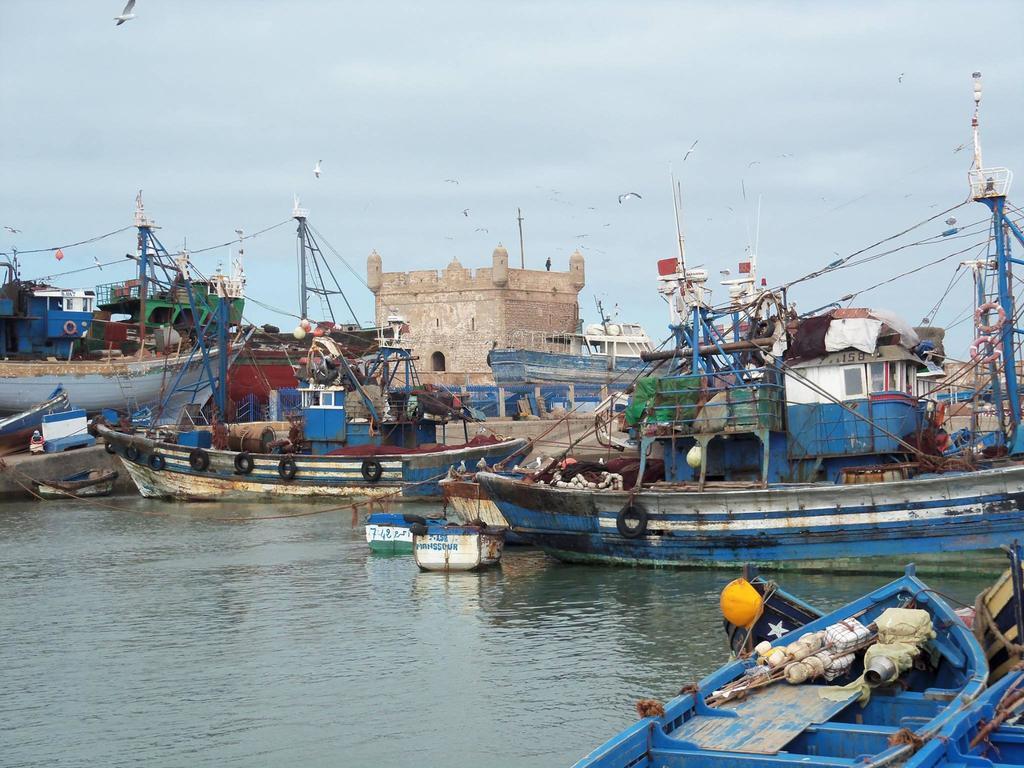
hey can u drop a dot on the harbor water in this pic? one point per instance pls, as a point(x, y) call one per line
point(138, 632)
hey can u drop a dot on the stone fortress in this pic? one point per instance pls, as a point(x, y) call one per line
point(456, 315)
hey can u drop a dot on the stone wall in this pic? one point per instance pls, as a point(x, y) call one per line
point(462, 313)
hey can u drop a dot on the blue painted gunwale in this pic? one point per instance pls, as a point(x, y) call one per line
point(967, 511)
point(648, 743)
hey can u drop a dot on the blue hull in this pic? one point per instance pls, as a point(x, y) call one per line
point(788, 725)
point(521, 366)
point(942, 514)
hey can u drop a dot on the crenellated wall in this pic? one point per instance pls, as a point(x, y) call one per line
point(462, 313)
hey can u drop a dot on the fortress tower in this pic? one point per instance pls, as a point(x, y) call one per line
point(456, 315)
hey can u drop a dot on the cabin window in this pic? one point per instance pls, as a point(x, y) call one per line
point(327, 398)
point(437, 362)
point(853, 381)
point(877, 371)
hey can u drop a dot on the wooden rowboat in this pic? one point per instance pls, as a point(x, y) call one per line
point(88, 483)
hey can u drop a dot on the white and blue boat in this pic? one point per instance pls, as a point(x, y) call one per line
point(890, 678)
point(603, 355)
point(367, 432)
point(776, 438)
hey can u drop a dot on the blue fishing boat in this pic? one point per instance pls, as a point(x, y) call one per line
point(16, 430)
point(367, 431)
point(605, 354)
point(776, 437)
point(886, 679)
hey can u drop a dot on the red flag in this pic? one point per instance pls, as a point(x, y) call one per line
point(744, 267)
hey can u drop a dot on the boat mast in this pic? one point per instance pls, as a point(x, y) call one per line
point(990, 187)
point(300, 215)
point(145, 227)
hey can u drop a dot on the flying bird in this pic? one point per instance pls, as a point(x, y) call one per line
point(465, 212)
point(900, 78)
point(481, 229)
point(583, 235)
point(98, 265)
point(316, 168)
point(958, 149)
point(690, 150)
point(628, 195)
point(12, 230)
point(752, 163)
point(451, 181)
point(126, 14)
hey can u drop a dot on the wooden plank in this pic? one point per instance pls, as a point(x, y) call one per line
point(766, 722)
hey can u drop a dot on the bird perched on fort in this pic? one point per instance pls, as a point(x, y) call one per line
point(628, 195)
point(126, 14)
point(316, 168)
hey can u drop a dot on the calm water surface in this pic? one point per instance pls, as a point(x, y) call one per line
point(159, 634)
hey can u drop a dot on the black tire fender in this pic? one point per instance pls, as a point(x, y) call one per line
point(243, 463)
point(418, 529)
point(110, 448)
point(157, 462)
point(371, 470)
point(199, 460)
point(631, 512)
point(131, 453)
point(415, 519)
point(287, 469)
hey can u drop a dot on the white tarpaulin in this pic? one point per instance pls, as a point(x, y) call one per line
point(854, 332)
point(908, 336)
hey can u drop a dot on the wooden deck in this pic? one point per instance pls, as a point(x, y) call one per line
point(767, 720)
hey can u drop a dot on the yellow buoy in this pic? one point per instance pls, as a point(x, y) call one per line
point(693, 456)
point(740, 603)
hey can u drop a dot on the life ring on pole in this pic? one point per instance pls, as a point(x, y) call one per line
point(243, 463)
point(70, 329)
point(631, 521)
point(985, 309)
point(371, 470)
point(978, 353)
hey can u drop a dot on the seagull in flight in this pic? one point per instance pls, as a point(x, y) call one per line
point(98, 265)
point(752, 163)
point(628, 195)
point(690, 150)
point(482, 229)
point(451, 181)
point(958, 149)
point(12, 230)
point(465, 212)
point(316, 168)
point(900, 78)
point(126, 14)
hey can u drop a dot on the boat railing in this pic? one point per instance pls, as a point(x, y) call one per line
point(747, 400)
point(110, 293)
point(539, 340)
point(990, 182)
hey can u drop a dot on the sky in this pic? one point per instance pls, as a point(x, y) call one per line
point(841, 120)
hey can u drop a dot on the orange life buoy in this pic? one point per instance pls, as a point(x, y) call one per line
point(70, 329)
point(985, 309)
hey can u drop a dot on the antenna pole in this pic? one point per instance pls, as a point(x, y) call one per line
point(677, 203)
point(300, 214)
point(974, 120)
point(522, 253)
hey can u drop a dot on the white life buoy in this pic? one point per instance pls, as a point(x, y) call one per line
point(984, 309)
point(979, 353)
point(70, 329)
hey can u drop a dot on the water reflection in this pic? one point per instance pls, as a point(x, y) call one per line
point(161, 633)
